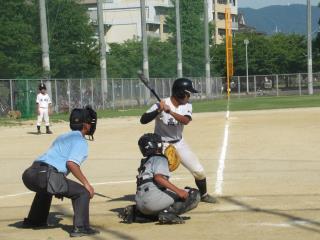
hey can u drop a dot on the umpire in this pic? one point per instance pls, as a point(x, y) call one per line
point(47, 175)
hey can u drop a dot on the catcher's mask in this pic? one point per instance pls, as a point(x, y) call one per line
point(150, 144)
point(79, 116)
point(183, 87)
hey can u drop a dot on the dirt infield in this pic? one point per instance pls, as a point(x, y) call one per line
point(270, 187)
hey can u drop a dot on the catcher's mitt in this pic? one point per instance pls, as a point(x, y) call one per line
point(173, 157)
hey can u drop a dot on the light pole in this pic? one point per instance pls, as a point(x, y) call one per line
point(246, 42)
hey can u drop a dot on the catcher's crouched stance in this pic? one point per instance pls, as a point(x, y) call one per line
point(156, 197)
point(47, 175)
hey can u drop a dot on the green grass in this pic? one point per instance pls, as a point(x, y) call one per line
point(236, 104)
point(259, 103)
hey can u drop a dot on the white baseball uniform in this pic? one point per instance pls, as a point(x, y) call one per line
point(43, 101)
point(171, 130)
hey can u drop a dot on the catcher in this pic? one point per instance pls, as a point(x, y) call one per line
point(171, 115)
point(156, 197)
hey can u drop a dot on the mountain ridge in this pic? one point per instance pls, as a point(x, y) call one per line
point(277, 18)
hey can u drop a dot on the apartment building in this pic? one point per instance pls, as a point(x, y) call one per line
point(218, 15)
point(122, 18)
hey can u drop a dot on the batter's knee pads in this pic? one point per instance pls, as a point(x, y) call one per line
point(199, 175)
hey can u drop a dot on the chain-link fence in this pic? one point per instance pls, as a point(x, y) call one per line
point(20, 94)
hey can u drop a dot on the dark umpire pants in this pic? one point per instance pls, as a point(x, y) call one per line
point(35, 179)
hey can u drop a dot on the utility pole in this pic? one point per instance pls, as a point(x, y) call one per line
point(45, 45)
point(310, 80)
point(145, 47)
point(103, 61)
point(206, 43)
point(179, 52)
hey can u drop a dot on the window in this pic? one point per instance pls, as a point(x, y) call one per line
point(221, 16)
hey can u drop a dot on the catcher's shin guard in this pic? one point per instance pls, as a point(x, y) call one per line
point(131, 214)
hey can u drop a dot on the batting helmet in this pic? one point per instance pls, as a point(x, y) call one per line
point(150, 144)
point(79, 116)
point(181, 87)
point(42, 86)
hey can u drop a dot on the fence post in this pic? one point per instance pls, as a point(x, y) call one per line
point(91, 82)
point(113, 100)
point(131, 94)
point(56, 94)
point(11, 96)
point(277, 84)
point(239, 86)
point(299, 83)
point(216, 86)
point(69, 95)
point(162, 84)
point(122, 100)
point(255, 85)
point(80, 83)
point(169, 86)
point(27, 88)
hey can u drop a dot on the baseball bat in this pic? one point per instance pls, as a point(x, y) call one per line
point(145, 81)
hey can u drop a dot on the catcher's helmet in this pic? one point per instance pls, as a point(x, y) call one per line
point(42, 86)
point(181, 87)
point(150, 144)
point(79, 116)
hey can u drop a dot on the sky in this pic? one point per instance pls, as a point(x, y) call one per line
point(263, 3)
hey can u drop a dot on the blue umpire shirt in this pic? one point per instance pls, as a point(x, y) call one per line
point(71, 146)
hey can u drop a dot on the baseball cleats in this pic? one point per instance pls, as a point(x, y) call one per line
point(83, 231)
point(208, 198)
point(166, 217)
point(48, 131)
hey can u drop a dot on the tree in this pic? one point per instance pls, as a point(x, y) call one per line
point(192, 35)
point(274, 54)
point(73, 47)
point(20, 53)
point(125, 59)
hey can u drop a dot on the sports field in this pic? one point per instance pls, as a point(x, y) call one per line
point(264, 165)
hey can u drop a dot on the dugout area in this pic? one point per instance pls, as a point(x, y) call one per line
point(270, 185)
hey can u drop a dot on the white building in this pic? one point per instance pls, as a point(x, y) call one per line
point(122, 18)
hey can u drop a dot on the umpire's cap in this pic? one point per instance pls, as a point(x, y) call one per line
point(182, 86)
point(42, 86)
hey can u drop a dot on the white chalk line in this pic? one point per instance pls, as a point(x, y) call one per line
point(93, 184)
point(222, 158)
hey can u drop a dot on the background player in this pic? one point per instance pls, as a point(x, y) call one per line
point(171, 115)
point(43, 102)
point(156, 196)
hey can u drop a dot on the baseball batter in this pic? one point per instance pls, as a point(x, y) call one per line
point(43, 102)
point(171, 115)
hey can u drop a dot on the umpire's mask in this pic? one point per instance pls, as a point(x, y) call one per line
point(79, 116)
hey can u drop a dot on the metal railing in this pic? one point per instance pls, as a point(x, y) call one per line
point(20, 94)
